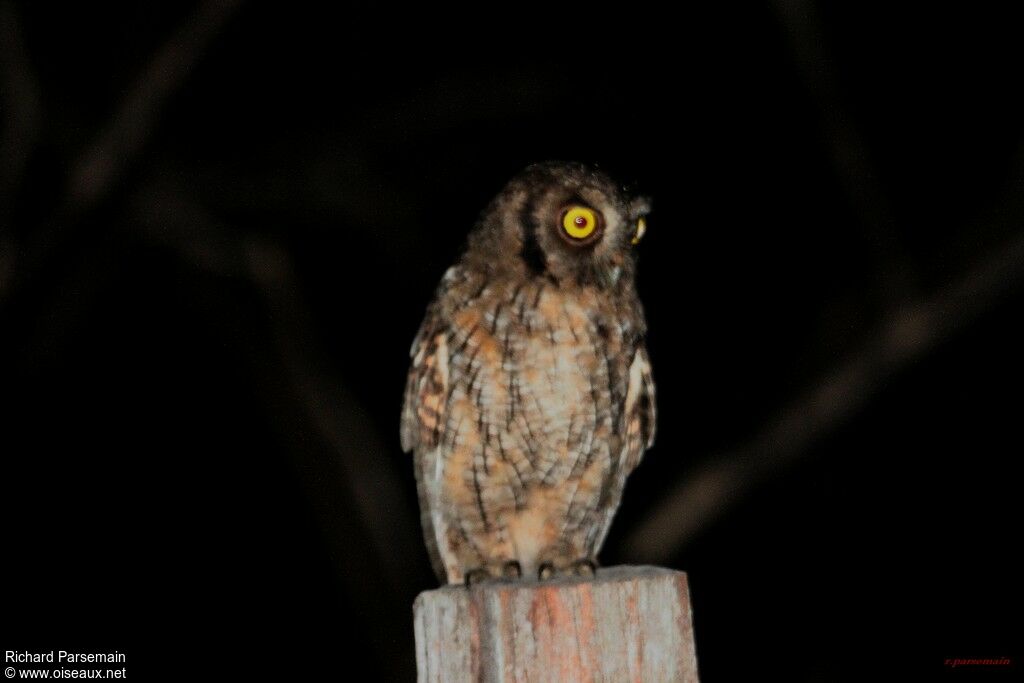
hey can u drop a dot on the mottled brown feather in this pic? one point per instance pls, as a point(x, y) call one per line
point(530, 397)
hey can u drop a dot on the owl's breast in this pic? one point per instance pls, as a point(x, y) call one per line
point(541, 373)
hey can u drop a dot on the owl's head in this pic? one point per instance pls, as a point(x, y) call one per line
point(565, 221)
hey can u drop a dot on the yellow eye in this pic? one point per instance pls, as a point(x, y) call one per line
point(579, 222)
point(641, 228)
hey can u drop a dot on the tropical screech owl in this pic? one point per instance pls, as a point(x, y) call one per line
point(530, 396)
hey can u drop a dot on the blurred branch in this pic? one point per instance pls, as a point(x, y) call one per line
point(120, 140)
point(375, 549)
point(909, 330)
point(173, 219)
point(19, 100)
point(848, 150)
point(902, 339)
point(117, 144)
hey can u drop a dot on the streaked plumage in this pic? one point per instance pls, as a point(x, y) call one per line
point(530, 396)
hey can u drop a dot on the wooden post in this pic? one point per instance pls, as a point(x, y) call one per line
point(626, 624)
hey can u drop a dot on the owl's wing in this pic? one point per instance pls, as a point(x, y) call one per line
point(639, 413)
point(426, 387)
point(637, 426)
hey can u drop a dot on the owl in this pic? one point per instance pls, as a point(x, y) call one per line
point(529, 399)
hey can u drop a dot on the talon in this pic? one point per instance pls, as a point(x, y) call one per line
point(475, 576)
point(512, 570)
point(546, 571)
point(584, 568)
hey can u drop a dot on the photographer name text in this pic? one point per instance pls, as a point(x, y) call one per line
point(64, 657)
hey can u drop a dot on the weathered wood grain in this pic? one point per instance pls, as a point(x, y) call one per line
point(628, 624)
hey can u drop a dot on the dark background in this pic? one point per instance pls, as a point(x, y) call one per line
point(221, 223)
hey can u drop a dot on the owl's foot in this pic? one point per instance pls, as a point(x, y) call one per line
point(505, 571)
point(584, 567)
point(475, 576)
point(512, 570)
